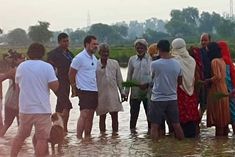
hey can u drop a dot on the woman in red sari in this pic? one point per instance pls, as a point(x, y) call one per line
point(230, 77)
point(187, 99)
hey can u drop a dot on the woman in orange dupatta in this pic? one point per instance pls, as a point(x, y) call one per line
point(218, 112)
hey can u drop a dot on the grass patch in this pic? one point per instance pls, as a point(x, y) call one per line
point(119, 53)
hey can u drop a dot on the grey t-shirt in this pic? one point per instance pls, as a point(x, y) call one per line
point(165, 75)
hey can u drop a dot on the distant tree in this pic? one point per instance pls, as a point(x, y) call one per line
point(77, 36)
point(216, 20)
point(151, 24)
point(105, 33)
point(121, 30)
point(178, 28)
point(136, 30)
point(1, 31)
point(68, 30)
point(206, 24)
point(153, 36)
point(155, 24)
point(161, 26)
point(226, 29)
point(40, 33)
point(191, 16)
point(183, 23)
point(17, 36)
point(209, 22)
point(177, 15)
point(54, 37)
point(101, 31)
point(122, 23)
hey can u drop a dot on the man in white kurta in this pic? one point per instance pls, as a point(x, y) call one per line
point(109, 81)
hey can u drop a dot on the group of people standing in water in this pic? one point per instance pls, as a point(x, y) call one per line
point(176, 85)
point(205, 83)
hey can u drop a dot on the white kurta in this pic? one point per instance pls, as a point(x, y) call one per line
point(109, 81)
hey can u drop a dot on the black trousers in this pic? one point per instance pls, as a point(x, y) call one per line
point(189, 129)
point(135, 109)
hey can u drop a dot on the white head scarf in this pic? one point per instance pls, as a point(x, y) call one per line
point(142, 41)
point(187, 63)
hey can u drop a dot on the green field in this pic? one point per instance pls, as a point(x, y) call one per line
point(120, 53)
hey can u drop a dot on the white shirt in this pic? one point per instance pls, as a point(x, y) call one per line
point(86, 71)
point(33, 77)
point(138, 70)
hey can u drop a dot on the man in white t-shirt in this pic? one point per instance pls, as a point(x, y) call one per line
point(35, 79)
point(82, 75)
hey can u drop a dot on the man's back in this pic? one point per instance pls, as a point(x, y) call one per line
point(33, 77)
point(166, 73)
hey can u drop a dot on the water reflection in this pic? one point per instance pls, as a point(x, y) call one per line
point(125, 143)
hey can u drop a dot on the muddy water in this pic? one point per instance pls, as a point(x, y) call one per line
point(125, 144)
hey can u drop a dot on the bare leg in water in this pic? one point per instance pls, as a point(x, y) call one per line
point(65, 114)
point(89, 123)
point(102, 125)
point(114, 116)
point(81, 123)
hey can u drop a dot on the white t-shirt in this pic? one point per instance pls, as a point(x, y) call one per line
point(33, 77)
point(86, 71)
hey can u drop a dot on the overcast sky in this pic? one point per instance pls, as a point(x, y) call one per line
point(73, 13)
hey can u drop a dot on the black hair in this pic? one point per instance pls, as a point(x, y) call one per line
point(88, 39)
point(214, 50)
point(62, 36)
point(163, 46)
point(36, 51)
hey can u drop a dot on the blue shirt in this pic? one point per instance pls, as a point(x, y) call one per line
point(165, 77)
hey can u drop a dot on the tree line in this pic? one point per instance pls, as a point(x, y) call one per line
point(186, 23)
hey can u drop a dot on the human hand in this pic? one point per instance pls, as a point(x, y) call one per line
point(74, 91)
point(207, 81)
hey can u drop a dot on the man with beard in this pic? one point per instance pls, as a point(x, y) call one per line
point(82, 75)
